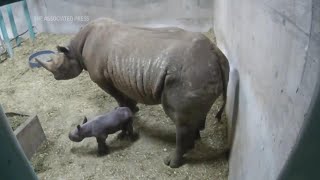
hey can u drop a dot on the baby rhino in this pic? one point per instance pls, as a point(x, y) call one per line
point(101, 126)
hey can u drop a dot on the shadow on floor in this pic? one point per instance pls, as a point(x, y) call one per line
point(202, 152)
point(115, 144)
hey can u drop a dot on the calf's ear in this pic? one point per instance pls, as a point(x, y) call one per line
point(85, 120)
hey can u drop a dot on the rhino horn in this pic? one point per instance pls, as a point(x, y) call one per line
point(50, 66)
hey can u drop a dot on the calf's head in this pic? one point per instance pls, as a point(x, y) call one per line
point(64, 65)
point(77, 135)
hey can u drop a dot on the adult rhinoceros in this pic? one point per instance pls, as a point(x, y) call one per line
point(182, 70)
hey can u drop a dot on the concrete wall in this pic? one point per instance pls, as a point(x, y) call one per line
point(275, 47)
point(195, 15)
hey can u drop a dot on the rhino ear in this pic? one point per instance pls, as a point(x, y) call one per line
point(85, 120)
point(78, 127)
point(62, 49)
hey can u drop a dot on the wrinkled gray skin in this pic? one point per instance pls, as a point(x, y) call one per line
point(181, 70)
point(101, 126)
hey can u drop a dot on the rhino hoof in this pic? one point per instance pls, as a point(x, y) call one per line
point(133, 137)
point(103, 153)
point(135, 109)
point(197, 136)
point(103, 150)
point(121, 135)
point(173, 161)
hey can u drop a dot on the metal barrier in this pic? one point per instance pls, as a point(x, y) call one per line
point(13, 162)
point(13, 24)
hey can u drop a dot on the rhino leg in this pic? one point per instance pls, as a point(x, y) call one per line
point(185, 139)
point(186, 134)
point(102, 146)
point(123, 100)
point(201, 127)
point(127, 102)
point(197, 135)
point(127, 131)
point(188, 112)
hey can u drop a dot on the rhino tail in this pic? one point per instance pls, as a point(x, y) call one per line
point(224, 93)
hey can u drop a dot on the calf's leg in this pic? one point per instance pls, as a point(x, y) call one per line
point(102, 146)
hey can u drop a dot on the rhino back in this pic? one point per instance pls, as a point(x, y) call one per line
point(137, 60)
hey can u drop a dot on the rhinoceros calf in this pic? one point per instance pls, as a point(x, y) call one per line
point(181, 70)
point(101, 126)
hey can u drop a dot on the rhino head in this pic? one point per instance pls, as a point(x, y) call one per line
point(63, 65)
point(78, 134)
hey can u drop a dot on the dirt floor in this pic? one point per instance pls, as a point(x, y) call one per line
point(61, 105)
point(16, 121)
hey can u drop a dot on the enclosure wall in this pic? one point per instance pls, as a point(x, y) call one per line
point(195, 15)
point(275, 47)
